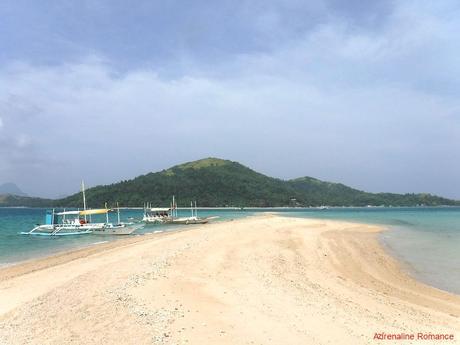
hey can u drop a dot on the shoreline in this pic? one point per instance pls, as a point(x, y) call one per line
point(305, 279)
point(46, 260)
point(411, 267)
point(246, 208)
point(61, 256)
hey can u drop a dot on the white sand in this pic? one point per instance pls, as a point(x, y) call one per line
point(260, 280)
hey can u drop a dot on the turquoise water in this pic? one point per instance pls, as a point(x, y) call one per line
point(426, 239)
point(15, 247)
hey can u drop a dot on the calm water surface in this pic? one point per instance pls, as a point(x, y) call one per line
point(426, 239)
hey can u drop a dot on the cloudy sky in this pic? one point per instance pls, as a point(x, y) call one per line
point(359, 92)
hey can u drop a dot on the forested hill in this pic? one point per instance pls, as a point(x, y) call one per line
point(9, 200)
point(217, 182)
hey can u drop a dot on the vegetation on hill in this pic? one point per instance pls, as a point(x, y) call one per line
point(17, 201)
point(217, 182)
point(212, 182)
point(316, 192)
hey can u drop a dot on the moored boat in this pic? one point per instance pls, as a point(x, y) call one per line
point(190, 220)
point(117, 229)
point(193, 219)
point(59, 224)
point(80, 223)
point(154, 215)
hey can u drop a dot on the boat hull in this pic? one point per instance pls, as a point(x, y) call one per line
point(189, 221)
point(64, 229)
point(40, 233)
point(157, 220)
point(116, 230)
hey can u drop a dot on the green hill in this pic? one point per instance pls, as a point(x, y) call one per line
point(316, 192)
point(212, 182)
point(18, 200)
point(217, 182)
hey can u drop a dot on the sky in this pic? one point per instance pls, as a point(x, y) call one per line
point(359, 92)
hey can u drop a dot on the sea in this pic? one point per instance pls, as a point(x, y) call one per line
point(425, 239)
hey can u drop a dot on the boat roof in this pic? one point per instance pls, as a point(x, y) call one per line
point(65, 213)
point(95, 211)
point(159, 209)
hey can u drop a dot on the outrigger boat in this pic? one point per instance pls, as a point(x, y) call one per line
point(59, 224)
point(116, 229)
point(169, 215)
point(190, 220)
point(194, 219)
point(154, 215)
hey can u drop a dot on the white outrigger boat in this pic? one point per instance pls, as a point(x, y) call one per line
point(116, 229)
point(190, 220)
point(154, 215)
point(169, 215)
point(59, 224)
point(194, 219)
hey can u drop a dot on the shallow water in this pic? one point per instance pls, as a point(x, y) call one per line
point(15, 247)
point(426, 239)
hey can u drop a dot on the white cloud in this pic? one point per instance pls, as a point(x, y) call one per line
point(335, 103)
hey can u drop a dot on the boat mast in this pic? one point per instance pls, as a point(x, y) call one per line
point(118, 211)
point(196, 210)
point(106, 215)
point(174, 208)
point(84, 196)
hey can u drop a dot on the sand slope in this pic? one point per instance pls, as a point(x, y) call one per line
point(261, 280)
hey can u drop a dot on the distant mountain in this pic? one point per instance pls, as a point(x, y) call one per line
point(217, 182)
point(11, 189)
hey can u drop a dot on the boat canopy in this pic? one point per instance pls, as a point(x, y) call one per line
point(159, 209)
point(68, 213)
point(95, 211)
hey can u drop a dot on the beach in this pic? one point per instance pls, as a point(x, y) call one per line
point(265, 279)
